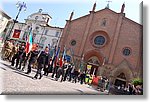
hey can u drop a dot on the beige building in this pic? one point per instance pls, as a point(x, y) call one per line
point(43, 33)
point(4, 18)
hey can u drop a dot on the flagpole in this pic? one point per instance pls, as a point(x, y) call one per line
point(20, 6)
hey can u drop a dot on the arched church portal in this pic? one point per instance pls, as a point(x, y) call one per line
point(120, 80)
point(92, 65)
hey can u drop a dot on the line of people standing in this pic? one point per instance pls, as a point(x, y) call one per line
point(42, 61)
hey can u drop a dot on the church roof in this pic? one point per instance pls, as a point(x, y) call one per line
point(106, 9)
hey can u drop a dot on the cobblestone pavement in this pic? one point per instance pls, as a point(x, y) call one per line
point(17, 82)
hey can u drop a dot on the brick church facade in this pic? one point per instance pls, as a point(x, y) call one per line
point(107, 41)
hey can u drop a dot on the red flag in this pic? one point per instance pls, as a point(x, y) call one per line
point(61, 62)
point(16, 33)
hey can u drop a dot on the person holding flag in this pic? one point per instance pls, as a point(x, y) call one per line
point(63, 57)
point(54, 60)
point(32, 56)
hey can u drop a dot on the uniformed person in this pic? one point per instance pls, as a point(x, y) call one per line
point(22, 59)
point(61, 71)
point(13, 51)
point(4, 49)
point(32, 56)
point(17, 56)
point(55, 70)
point(7, 49)
point(42, 61)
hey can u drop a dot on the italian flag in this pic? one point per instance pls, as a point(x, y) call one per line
point(29, 42)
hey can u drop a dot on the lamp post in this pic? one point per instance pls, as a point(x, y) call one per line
point(20, 6)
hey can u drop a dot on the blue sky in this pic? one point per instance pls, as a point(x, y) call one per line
point(61, 9)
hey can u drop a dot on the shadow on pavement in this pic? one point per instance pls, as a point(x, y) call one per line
point(22, 74)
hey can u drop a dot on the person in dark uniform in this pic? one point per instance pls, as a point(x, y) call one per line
point(22, 59)
point(68, 72)
point(61, 71)
point(82, 77)
point(18, 55)
point(32, 56)
point(42, 61)
point(55, 70)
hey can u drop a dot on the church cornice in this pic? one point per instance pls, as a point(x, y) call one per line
point(107, 9)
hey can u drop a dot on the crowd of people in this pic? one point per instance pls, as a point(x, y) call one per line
point(42, 61)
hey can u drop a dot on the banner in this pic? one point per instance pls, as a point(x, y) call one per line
point(16, 33)
point(29, 42)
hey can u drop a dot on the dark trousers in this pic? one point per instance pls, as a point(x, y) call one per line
point(39, 71)
point(82, 78)
point(66, 74)
point(15, 57)
point(59, 73)
point(20, 63)
point(31, 62)
point(45, 70)
point(54, 72)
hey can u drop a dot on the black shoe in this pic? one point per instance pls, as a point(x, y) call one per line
point(34, 78)
point(18, 68)
point(40, 77)
point(27, 72)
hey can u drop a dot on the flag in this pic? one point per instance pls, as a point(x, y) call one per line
point(56, 56)
point(29, 42)
point(62, 58)
point(16, 33)
point(54, 61)
point(68, 55)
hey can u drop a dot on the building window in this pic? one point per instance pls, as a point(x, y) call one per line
point(43, 39)
point(73, 43)
point(57, 34)
point(99, 40)
point(36, 27)
point(126, 51)
point(36, 17)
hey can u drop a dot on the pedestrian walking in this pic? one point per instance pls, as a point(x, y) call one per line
point(32, 56)
point(55, 70)
point(61, 71)
point(82, 77)
point(22, 59)
point(18, 55)
point(42, 62)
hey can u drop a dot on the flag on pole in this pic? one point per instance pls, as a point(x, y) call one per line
point(54, 61)
point(62, 58)
point(29, 42)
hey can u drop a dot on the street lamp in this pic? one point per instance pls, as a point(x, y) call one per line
point(20, 6)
